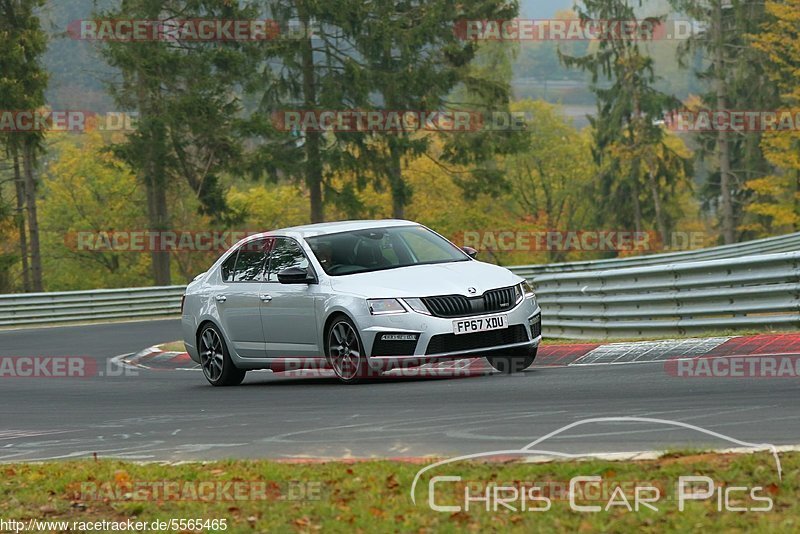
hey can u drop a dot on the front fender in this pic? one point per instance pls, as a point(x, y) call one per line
point(353, 307)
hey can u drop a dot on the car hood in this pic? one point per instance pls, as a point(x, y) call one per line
point(427, 280)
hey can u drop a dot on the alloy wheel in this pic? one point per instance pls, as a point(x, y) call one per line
point(344, 351)
point(211, 355)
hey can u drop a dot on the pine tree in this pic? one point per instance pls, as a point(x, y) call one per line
point(637, 166)
point(737, 79)
point(303, 68)
point(183, 92)
point(777, 197)
point(414, 59)
point(22, 86)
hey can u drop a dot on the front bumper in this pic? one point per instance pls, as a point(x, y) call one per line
point(435, 334)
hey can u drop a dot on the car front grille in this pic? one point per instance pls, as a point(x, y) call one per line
point(494, 300)
point(449, 305)
point(499, 299)
point(442, 343)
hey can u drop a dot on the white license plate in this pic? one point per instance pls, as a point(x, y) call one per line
point(480, 324)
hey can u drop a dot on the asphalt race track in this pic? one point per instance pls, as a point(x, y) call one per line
point(175, 415)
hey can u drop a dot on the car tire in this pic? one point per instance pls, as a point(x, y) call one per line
point(514, 361)
point(215, 360)
point(342, 342)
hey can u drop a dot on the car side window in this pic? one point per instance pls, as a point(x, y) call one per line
point(286, 253)
point(251, 261)
point(228, 265)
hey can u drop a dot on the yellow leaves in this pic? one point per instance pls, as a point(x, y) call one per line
point(85, 185)
point(782, 149)
point(86, 189)
point(694, 102)
point(677, 145)
point(769, 185)
point(269, 206)
point(780, 43)
point(775, 199)
point(565, 14)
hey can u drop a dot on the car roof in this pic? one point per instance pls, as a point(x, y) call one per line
point(310, 230)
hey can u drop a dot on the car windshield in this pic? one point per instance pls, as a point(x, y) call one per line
point(376, 249)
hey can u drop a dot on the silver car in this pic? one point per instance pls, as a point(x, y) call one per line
point(359, 297)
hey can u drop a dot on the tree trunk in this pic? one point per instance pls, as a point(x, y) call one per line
point(19, 186)
point(314, 176)
point(154, 180)
point(400, 192)
point(637, 207)
point(636, 165)
point(28, 163)
point(723, 150)
point(723, 154)
point(157, 217)
point(157, 211)
point(796, 200)
point(660, 223)
point(7, 257)
point(313, 139)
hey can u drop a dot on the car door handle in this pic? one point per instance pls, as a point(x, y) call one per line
point(266, 298)
point(221, 298)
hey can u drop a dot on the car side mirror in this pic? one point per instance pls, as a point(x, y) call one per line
point(295, 275)
point(469, 251)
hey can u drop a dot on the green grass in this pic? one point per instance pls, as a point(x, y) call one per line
point(373, 496)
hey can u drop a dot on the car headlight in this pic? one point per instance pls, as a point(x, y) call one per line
point(385, 306)
point(525, 290)
point(417, 305)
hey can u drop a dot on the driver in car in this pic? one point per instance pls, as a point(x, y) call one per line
point(324, 254)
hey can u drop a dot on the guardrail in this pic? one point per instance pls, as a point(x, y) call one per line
point(753, 292)
point(79, 306)
point(769, 245)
